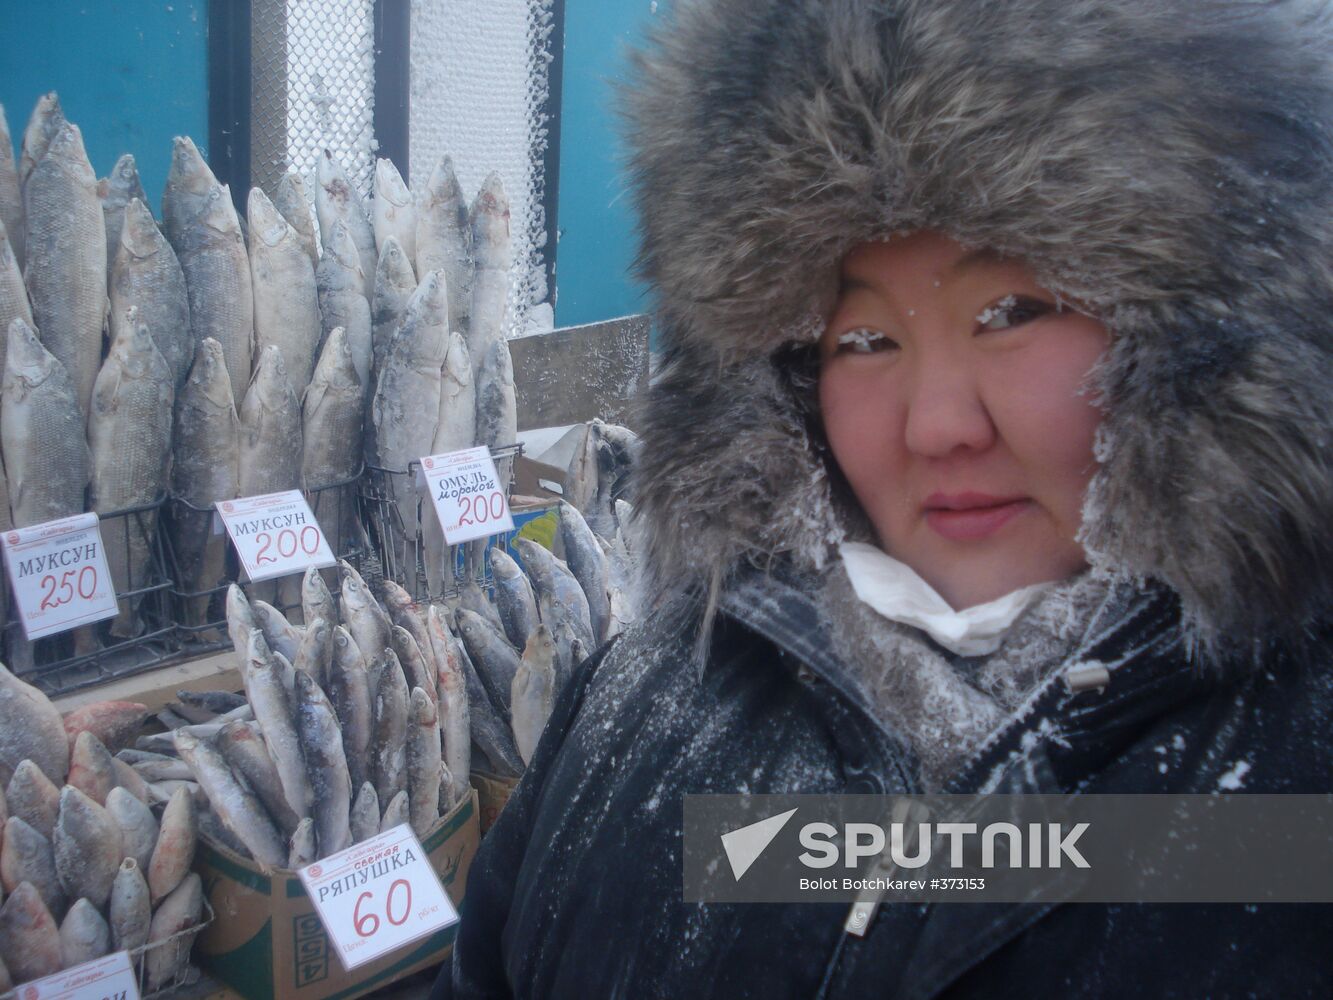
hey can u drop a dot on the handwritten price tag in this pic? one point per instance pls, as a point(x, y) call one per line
point(467, 495)
point(378, 896)
point(110, 978)
point(275, 534)
point(59, 574)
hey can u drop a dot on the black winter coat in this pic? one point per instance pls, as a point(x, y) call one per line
point(576, 891)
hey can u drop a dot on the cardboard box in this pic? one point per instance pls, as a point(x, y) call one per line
point(267, 942)
point(492, 794)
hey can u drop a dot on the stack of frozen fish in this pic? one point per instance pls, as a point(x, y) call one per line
point(367, 716)
point(243, 356)
point(87, 866)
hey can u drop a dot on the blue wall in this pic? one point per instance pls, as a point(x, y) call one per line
point(595, 222)
point(131, 75)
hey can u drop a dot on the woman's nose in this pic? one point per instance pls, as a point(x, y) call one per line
point(946, 411)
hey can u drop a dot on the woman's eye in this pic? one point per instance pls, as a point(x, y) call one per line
point(1013, 310)
point(863, 340)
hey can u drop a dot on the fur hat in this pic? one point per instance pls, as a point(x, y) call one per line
point(1166, 162)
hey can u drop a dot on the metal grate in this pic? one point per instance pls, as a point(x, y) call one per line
point(313, 87)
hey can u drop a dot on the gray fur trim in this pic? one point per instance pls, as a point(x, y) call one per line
point(1167, 162)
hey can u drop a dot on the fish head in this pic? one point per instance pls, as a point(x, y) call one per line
point(291, 191)
point(139, 235)
point(270, 381)
point(208, 380)
point(443, 188)
point(218, 213)
point(266, 222)
point(389, 183)
point(257, 652)
point(336, 367)
point(457, 361)
point(499, 364)
point(540, 645)
point(189, 171)
point(490, 224)
point(470, 624)
point(330, 176)
point(342, 249)
point(396, 597)
point(319, 631)
point(66, 152)
point(503, 565)
point(307, 689)
point(45, 121)
point(423, 709)
point(124, 182)
point(393, 269)
point(27, 362)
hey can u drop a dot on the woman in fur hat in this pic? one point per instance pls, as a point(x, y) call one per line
point(990, 451)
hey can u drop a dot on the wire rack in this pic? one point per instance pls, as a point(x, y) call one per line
point(92, 654)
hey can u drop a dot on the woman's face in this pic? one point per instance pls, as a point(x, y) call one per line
point(952, 388)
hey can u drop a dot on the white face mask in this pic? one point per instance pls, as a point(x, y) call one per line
point(894, 589)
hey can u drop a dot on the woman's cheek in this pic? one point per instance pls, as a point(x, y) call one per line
point(850, 403)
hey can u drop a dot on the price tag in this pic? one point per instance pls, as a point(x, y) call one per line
point(378, 896)
point(59, 574)
point(110, 978)
point(275, 534)
point(467, 495)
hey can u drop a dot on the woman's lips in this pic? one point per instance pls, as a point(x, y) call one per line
point(970, 517)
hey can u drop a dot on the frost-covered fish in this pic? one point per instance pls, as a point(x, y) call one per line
point(130, 909)
point(116, 191)
point(41, 432)
point(332, 415)
point(11, 195)
point(316, 601)
point(84, 935)
point(30, 729)
point(514, 599)
point(234, 803)
point(65, 258)
point(206, 445)
point(472, 598)
point(588, 564)
point(337, 201)
point(293, 201)
point(497, 406)
point(397, 812)
point(129, 431)
point(362, 615)
point(343, 298)
point(394, 208)
point(29, 937)
point(178, 835)
point(137, 825)
point(423, 761)
point(27, 856)
point(214, 702)
point(46, 120)
point(178, 913)
point(217, 277)
point(395, 281)
point(273, 712)
point(349, 693)
point(493, 253)
point(418, 672)
point(146, 276)
point(243, 748)
point(365, 814)
point(90, 769)
point(88, 847)
point(533, 692)
point(189, 182)
point(286, 303)
point(454, 708)
point(494, 658)
point(303, 848)
point(444, 240)
point(14, 302)
point(281, 636)
point(388, 749)
point(407, 397)
point(556, 586)
point(315, 653)
point(326, 764)
point(33, 797)
point(455, 429)
point(271, 442)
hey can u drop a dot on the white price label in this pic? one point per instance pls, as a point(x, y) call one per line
point(275, 534)
point(110, 978)
point(378, 896)
point(60, 575)
point(466, 491)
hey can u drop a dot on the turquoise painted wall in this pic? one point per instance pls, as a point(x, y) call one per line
point(596, 244)
point(131, 75)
